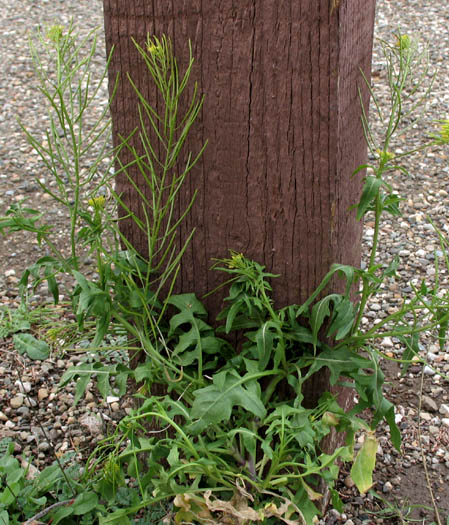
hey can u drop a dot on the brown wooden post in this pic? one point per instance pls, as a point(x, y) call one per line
point(282, 116)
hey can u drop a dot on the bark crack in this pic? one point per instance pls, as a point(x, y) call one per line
point(250, 103)
point(203, 167)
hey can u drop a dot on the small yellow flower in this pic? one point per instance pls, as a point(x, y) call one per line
point(97, 202)
point(236, 261)
point(403, 42)
point(155, 48)
point(55, 33)
point(385, 156)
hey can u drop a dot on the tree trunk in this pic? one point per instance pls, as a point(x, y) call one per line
point(282, 115)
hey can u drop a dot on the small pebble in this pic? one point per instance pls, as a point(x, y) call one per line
point(30, 402)
point(44, 446)
point(16, 402)
point(396, 480)
point(429, 404)
point(387, 459)
point(429, 371)
point(23, 386)
point(425, 416)
point(115, 407)
point(387, 342)
point(42, 393)
point(388, 487)
point(89, 396)
point(64, 447)
point(349, 482)
point(93, 423)
point(444, 410)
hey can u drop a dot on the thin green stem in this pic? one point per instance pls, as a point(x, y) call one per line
point(366, 289)
point(178, 429)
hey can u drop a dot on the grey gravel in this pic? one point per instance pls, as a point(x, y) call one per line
point(444, 410)
point(16, 402)
point(428, 371)
point(429, 404)
point(388, 487)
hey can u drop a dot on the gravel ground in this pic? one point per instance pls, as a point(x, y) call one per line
point(400, 478)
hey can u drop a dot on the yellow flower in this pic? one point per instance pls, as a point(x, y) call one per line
point(97, 202)
point(385, 156)
point(55, 33)
point(155, 48)
point(403, 41)
point(236, 261)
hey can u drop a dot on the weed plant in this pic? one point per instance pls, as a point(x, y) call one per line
point(234, 441)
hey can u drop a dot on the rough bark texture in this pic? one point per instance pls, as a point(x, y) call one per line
point(282, 116)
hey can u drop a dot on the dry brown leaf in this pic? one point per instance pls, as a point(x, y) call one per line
point(283, 510)
point(243, 512)
point(192, 507)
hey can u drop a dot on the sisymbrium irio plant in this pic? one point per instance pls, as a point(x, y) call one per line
point(76, 155)
point(164, 174)
point(128, 288)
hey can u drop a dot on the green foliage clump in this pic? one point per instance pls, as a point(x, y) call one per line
point(231, 438)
